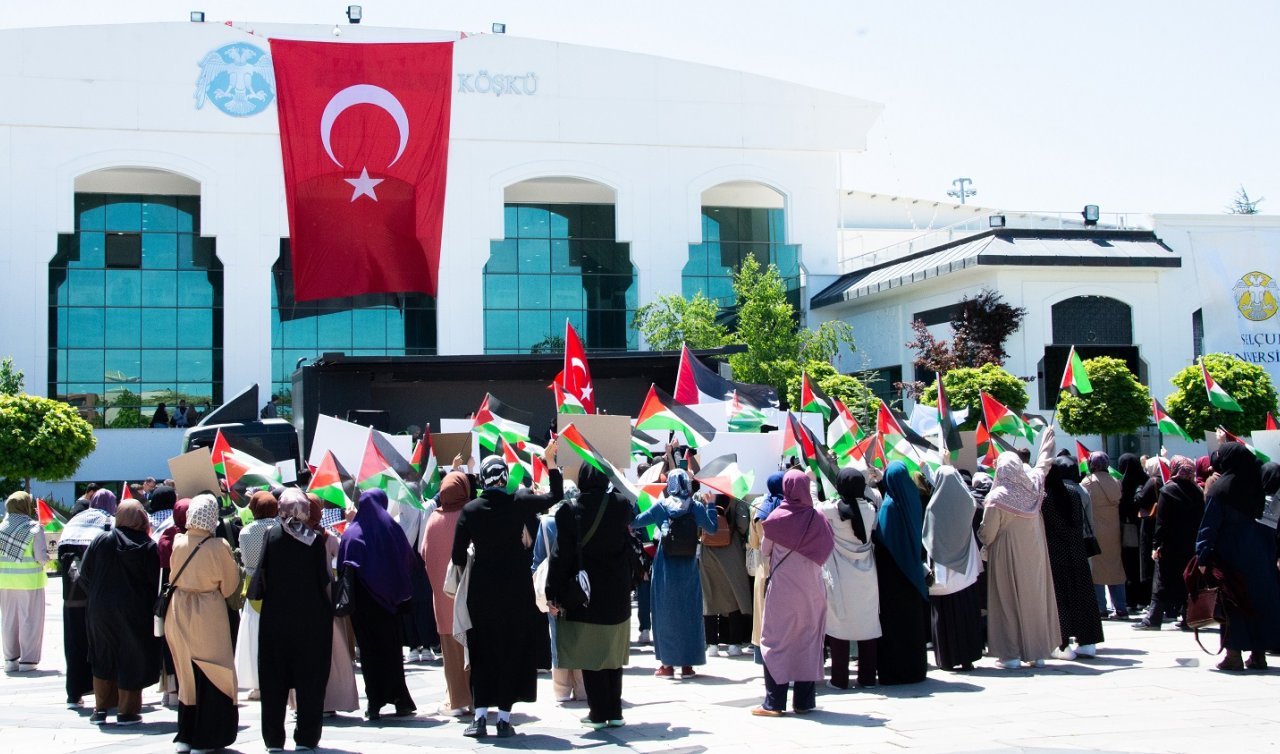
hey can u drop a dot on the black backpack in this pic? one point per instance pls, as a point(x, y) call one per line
point(681, 539)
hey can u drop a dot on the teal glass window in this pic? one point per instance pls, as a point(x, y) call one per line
point(729, 236)
point(399, 324)
point(558, 262)
point(127, 330)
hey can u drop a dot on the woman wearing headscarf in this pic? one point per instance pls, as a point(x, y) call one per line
point(375, 549)
point(566, 682)
point(1132, 480)
point(900, 568)
point(1230, 538)
point(1177, 520)
point(198, 630)
point(1022, 611)
point(296, 634)
point(1147, 499)
point(73, 543)
point(1107, 568)
point(980, 485)
point(264, 507)
point(23, 553)
point(1064, 524)
point(160, 508)
point(437, 549)
point(340, 694)
point(1204, 470)
point(853, 596)
point(760, 510)
point(164, 546)
point(507, 641)
point(592, 534)
point(121, 577)
point(417, 621)
point(954, 600)
point(726, 591)
point(679, 637)
point(797, 542)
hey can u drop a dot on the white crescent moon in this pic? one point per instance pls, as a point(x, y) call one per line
point(576, 362)
point(364, 94)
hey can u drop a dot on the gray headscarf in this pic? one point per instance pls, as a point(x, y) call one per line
point(948, 521)
point(295, 514)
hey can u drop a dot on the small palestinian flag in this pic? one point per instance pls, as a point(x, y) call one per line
point(844, 433)
point(1263, 457)
point(126, 492)
point(49, 520)
point(424, 462)
point(860, 455)
point(220, 448)
point(1218, 398)
point(989, 445)
point(660, 411)
point(1165, 476)
point(1001, 421)
point(332, 483)
point(495, 420)
point(814, 400)
point(697, 383)
point(949, 433)
point(244, 468)
point(517, 469)
point(1074, 377)
point(898, 445)
point(821, 462)
point(1082, 454)
point(642, 443)
point(723, 475)
point(1271, 422)
point(795, 441)
point(1165, 423)
point(743, 417)
point(376, 472)
point(566, 403)
point(572, 439)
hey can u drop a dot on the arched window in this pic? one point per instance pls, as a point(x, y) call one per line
point(1092, 321)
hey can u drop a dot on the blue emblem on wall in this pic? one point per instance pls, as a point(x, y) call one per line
point(238, 79)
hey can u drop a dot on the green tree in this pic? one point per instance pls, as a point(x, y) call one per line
point(674, 320)
point(11, 380)
point(127, 408)
point(778, 349)
point(849, 390)
point(1118, 404)
point(549, 344)
point(1248, 383)
point(41, 438)
point(966, 385)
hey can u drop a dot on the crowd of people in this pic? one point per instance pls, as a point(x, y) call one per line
point(1025, 563)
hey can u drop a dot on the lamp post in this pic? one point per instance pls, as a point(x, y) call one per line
point(962, 190)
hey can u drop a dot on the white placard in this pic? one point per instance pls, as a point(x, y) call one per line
point(1267, 441)
point(759, 452)
point(347, 442)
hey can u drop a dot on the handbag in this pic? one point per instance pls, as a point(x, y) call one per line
point(575, 592)
point(1205, 599)
point(161, 607)
point(1129, 536)
point(722, 534)
point(344, 592)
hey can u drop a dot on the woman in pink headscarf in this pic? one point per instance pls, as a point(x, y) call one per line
point(797, 541)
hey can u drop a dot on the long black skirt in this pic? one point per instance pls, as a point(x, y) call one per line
point(956, 624)
point(380, 636)
point(903, 655)
point(418, 621)
point(210, 723)
point(75, 647)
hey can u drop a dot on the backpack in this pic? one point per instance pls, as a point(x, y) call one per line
point(681, 539)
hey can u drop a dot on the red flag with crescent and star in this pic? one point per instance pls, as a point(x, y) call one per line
point(575, 378)
point(364, 136)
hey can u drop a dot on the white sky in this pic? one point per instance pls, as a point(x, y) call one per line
point(1134, 105)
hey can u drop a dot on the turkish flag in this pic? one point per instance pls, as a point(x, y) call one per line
point(576, 378)
point(364, 134)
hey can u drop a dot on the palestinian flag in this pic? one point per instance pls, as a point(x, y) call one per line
point(1074, 377)
point(821, 462)
point(126, 492)
point(1001, 421)
point(795, 441)
point(376, 472)
point(900, 444)
point(743, 417)
point(495, 421)
point(565, 402)
point(697, 383)
point(247, 471)
point(424, 462)
point(661, 411)
point(1271, 422)
point(1165, 423)
point(642, 443)
point(518, 469)
point(1218, 398)
point(1165, 476)
point(989, 445)
point(1082, 456)
point(843, 433)
point(723, 475)
point(332, 483)
point(49, 520)
point(220, 447)
point(948, 433)
point(862, 453)
point(812, 398)
point(572, 439)
point(1263, 457)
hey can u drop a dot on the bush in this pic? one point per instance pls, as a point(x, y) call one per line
point(1248, 383)
point(1118, 405)
point(966, 385)
point(41, 438)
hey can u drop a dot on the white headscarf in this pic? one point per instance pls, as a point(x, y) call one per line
point(202, 514)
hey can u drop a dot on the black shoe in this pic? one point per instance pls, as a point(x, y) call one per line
point(506, 729)
point(99, 717)
point(128, 719)
point(406, 711)
point(372, 714)
point(478, 729)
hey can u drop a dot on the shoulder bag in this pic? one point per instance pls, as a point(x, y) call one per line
point(161, 607)
point(575, 592)
point(773, 570)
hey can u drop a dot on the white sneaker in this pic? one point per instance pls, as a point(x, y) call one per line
point(182, 748)
point(1038, 663)
point(254, 695)
point(645, 637)
point(734, 650)
point(10, 666)
point(1087, 650)
point(713, 650)
point(1009, 664)
point(1063, 654)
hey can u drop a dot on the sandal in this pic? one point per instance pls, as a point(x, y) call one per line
point(1231, 664)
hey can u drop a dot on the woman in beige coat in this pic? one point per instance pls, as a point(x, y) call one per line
point(199, 632)
point(1108, 570)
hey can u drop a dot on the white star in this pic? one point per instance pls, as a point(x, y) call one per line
point(586, 392)
point(363, 185)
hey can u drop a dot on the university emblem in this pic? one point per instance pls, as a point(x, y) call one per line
point(238, 79)
point(1257, 296)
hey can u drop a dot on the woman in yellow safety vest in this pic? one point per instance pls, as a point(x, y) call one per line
point(22, 580)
